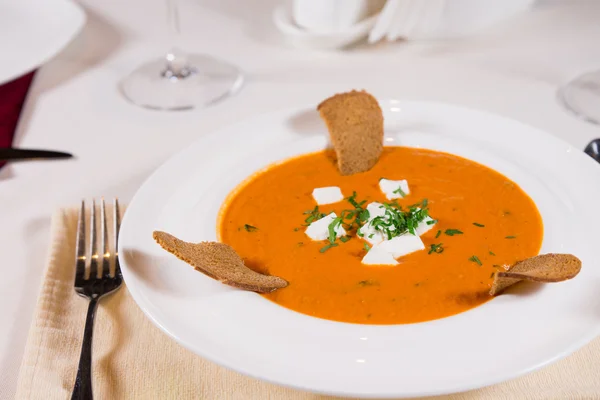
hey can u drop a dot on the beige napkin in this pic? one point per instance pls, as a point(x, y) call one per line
point(133, 359)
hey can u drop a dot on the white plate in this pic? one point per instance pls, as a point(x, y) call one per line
point(33, 31)
point(502, 339)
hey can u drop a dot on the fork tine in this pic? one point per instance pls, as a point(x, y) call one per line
point(80, 247)
point(105, 252)
point(94, 247)
point(117, 223)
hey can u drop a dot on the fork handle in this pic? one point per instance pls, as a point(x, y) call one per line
point(83, 382)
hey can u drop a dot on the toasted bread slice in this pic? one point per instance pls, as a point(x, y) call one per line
point(220, 262)
point(355, 124)
point(542, 268)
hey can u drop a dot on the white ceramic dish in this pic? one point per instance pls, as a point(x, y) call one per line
point(327, 16)
point(33, 31)
point(298, 37)
point(502, 339)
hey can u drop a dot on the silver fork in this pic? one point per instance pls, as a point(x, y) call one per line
point(93, 288)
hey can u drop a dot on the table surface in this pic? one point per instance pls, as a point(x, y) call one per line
point(513, 69)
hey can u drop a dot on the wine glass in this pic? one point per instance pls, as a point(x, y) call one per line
point(582, 96)
point(181, 81)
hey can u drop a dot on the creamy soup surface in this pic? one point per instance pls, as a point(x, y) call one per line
point(264, 220)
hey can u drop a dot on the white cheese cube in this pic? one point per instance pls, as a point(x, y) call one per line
point(375, 209)
point(402, 245)
point(424, 226)
point(319, 230)
point(378, 256)
point(327, 195)
point(394, 189)
point(367, 232)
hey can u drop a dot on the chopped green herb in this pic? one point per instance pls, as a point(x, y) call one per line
point(432, 222)
point(479, 225)
point(510, 237)
point(437, 235)
point(371, 235)
point(352, 200)
point(327, 247)
point(475, 259)
point(344, 239)
point(452, 232)
point(337, 221)
point(360, 214)
point(314, 215)
point(492, 275)
point(496, 266)
point(396, 222)
point(366, 247)
point(296, 229)
point(250, 228)
point(368, 282)
point(348, 214)
point(492, 253)
point(435, 248)
point(400, 191)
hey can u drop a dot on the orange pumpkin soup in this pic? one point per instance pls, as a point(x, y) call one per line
point(264, 221)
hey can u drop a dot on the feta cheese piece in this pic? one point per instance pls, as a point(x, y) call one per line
point(375, 209)
point(319, 230)
point(424, 226)
point(370, 234)
point(378, 256)
point(327, 195)
point(402, 245)
point(390, 188)
point(367, 232)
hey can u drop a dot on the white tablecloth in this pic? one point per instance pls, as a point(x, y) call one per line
point(513, 69)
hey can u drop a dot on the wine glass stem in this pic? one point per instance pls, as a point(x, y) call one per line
point(177, 66)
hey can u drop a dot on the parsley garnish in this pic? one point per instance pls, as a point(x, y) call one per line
point(437, 235)
point(367, 282)
point(327, 247)
point(360, 214)
point(492, 253)
point(452, 232)
point(400, 191)
point(479, 225)
point(475, 259)
point(314, 215)
point(355, 204)
point(366, 247)
point(337, 221)
point(510, 237)
point(250, 228)
point(435, 248)
point(432, 222)
point(344, 239)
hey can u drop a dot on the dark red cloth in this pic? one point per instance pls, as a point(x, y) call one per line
point(12, 97)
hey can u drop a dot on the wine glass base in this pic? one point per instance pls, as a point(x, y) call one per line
point(209, 81)
point(581, 96)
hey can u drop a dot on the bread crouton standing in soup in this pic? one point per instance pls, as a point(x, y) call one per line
point(355, 123)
